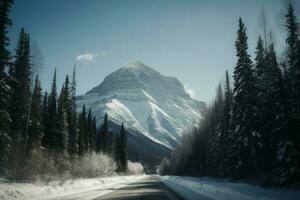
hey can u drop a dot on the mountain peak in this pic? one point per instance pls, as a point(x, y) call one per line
point(134, 64)
point(155, 108)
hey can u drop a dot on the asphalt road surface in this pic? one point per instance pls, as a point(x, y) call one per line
point(150, 188)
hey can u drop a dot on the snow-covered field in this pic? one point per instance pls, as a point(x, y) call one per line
point(211, 189)
point(83, 189)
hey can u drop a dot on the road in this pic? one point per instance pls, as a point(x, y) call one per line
point(150, 188)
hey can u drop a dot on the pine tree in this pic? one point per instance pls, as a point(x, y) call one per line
point(36, 127)
point(45, 118)
point(73, 120)
point(89, 130)
point(293, 52)
point(117, 152)
point(51, 125)
point(247, 139)
point(83, 139)
point(103, 135)
point(20, 83)
point(215, 133)
point(62, 132)
point(224, 138)
point(21, 90)
point(285, 137)
point(260, 57)
point(5, 22)
point(123, 149)
point(5, 139)
point(94, 134)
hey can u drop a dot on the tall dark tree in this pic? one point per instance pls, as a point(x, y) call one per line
point(73, 120)
point(62, 134)
point(293, 52)
point(285, 137)
point(51, 125)
point(45, 117)
point(20, 83)
point(90, 130)
point(36, 126)
point(260, 57)
point(21, 89)
point(94, 135)
point(224, 138)
point(215, 132)
point(5, 139)
point(5, 22)
point(83, 139)
point(123, 149)
point(62, 121)
point(247, 138)
point(103, 135)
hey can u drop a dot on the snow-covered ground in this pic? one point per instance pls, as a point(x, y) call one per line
point(81, 189)
point(211, 189)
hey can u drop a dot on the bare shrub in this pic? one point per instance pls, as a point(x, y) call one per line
point(94, 165)
point(135, 168)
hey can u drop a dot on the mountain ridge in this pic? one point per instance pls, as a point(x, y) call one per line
point(151, 105)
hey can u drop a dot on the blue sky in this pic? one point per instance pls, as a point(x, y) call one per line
point(192, 40)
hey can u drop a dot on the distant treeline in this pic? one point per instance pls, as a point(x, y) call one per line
point(43, 133)
point(252, 130)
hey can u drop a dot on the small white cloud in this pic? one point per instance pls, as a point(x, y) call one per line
point(190, 91)
point(88, 57)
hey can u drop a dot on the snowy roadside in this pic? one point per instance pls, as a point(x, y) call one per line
point(212, 189)
point(83, 189)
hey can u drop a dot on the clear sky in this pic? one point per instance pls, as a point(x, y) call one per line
point(192, 40)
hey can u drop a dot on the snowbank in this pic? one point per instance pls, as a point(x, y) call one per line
point(83, 189)
point(210, 189)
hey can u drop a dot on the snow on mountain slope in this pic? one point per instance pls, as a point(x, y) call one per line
point(149, 104)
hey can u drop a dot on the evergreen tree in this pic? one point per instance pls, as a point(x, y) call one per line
point(269, 103)
point(5, 22)
point(73, 120)
point(45, 118)
point(260, 58)
point(103, 135)
point(285, 135)
point(62, 132)
point(83, 139)
point(5, 139)
point(94, 135)
point(123, 149)
point(247, 139)
point(89, 130)
point(20, 82)
point(224, 138)
point(215, 133)
point(36, 127)
point(21, 91)
point(294, 73)
point(51, 125)
point(117, 152)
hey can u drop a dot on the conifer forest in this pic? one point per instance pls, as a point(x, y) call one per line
point(206, 106)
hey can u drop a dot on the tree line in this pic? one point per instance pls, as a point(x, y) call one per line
point(34, 124)
point(251, 129)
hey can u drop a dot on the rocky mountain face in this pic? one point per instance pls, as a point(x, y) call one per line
point(155, 109)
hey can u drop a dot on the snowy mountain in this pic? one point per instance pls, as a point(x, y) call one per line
point(155, 109)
